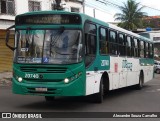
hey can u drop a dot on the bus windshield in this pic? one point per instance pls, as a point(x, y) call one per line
point(48, 46)
point(145, 35)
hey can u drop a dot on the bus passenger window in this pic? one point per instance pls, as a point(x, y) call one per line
point(103, 41)
point(122, 48)
point(142, 49)
point(132, 48)
point(129, 46)
point(90, 43)
point(135, 48)
point(146, 49)
point(113, 45)
point(139, 47)
point(151, 51)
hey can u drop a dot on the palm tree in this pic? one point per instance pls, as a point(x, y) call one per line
point(130, 16)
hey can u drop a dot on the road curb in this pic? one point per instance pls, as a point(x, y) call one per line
point(5, 79)
point(6, 82)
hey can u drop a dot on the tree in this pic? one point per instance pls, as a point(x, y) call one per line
point(130, 16)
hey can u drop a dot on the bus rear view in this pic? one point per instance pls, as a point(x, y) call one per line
point(48, 58)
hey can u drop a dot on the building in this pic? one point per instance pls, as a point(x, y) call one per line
point(152, 22)
point(10, 8)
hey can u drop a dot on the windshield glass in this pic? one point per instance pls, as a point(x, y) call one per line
point(49, 46)
point(145, 35)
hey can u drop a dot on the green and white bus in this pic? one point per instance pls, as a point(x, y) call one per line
point(59, 53)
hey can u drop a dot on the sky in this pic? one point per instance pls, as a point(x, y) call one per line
point(150, 3)
point(106, 12)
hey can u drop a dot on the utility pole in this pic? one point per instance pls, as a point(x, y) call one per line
point(94, 12)
point(58, 6)
point(83, 5)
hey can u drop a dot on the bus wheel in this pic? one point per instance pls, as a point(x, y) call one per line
point(158, 71)
point(140, 85)
point(98, 97)
point(49, 98)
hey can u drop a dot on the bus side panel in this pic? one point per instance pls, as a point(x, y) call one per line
point(124, 72)
point(92, 82)
point(97, 82)
point(147, 65)
point(117, 73)
point(94, 73)
point(133, 71)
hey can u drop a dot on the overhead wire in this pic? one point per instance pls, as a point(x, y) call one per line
point(98, 8)
point(116, 4)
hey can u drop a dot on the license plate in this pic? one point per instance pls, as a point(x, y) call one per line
point(41, 89)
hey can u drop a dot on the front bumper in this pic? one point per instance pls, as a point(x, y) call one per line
point(74, 88)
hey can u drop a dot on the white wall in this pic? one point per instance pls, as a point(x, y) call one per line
point(71, 4)
point(101, 11)
point(45, 4)
point(21, 6)
point(8, 17)
point(89, 11)
point(5, 24)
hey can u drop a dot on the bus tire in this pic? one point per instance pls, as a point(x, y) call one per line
point(158, 71)
point(49, 98)
point(98, 97)
point(141, 82)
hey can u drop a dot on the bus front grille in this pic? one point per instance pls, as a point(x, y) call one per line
point(41, 69)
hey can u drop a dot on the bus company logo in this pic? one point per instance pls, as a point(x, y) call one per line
point(126, 64)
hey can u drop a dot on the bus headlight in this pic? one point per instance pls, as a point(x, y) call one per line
point(66, 80)
point(20, 79)
point(76, 76)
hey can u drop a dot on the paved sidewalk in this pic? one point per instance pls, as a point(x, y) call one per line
point(5, 79)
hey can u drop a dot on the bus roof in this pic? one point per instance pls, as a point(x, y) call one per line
point(115, 27)
point(86, 17)
point(46, 12)
point(158, 31)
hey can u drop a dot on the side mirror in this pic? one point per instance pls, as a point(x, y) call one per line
point(7, 38)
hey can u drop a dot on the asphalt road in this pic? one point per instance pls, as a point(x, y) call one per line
point(122, 100)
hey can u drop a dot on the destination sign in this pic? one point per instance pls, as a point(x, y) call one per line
point(48, 19)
